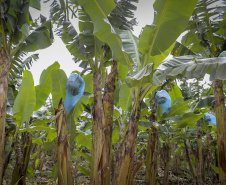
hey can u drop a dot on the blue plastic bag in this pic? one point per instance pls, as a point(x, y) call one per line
point(210, 118)
point(74, 91)
point(164, 100)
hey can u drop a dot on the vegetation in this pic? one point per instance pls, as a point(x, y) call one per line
point(117, 131)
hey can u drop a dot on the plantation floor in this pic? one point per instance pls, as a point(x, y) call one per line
point(44, 177)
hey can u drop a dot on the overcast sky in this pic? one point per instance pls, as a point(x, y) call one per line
point(58, 52)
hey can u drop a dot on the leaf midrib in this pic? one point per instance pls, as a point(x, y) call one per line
point(100, 8)
point(136, 47)
point(158, 27)
point(178, 108)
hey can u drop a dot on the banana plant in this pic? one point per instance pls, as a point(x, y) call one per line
point(182, 120)
point(141, 82)
point(27, 122)
point(96, 28)
point(74, 91)
point(205, 38)
point(24, 106)
point(22, 110)
point(95, 55)
point(16, 40)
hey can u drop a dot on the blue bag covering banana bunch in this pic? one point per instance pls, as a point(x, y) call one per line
point(74, 91)
point(164, 100)
point(210, 118)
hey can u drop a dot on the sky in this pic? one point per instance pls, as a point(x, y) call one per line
point(58, 51)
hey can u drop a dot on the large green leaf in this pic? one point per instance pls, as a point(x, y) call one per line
point(86, 37)
point(40, 38)
point(130, 45)
point(171, 18)
point(189, 67)
point(189, 119)
point(140, 78)
point(24, 104)
point(178, 108)
point(59, 81)
point(43, 90)
point(125, 100)
point(84, 140)
point(98, 11)
point(70, 37)
point(175, 93)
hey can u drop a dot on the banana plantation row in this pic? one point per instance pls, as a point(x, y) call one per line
point(131, 116)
